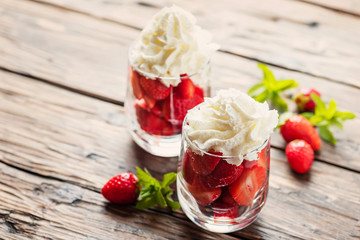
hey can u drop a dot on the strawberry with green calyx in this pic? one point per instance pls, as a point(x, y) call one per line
point(303, 99)
point(125, 188)
point(153, 192)
point(270, 89)
point(324, 117)
point(298, 127)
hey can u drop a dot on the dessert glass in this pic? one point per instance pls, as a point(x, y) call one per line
point(219, 196)
point(156, 112)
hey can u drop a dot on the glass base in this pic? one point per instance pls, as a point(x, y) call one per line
point(163, 146)
point(198, 216)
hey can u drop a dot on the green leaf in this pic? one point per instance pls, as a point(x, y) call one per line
point(285, 84)
point(283, 118)
point(307, 115)
point(326, 134)
point(263, 96)
point(152, 192)
point(256, 90)
point(320, 108)
point(344, 115)
point(331, 109)
point(174, 205)
point(317, 120)
point(337, 122)
point(146, 203)
point(269, 78)
point(168, 179)
point(279, 102)
point(160, 199)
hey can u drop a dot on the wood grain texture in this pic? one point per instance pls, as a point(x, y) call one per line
point(47, 45)
point(291, 34)
point(38, 208)
point(345, 6)
point(43, 132)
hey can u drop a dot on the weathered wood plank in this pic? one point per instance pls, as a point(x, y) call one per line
point(61, 50)
point(83, 141)
point(32, 207)
point(346, 6)
point(292, 34)
point(344, 154)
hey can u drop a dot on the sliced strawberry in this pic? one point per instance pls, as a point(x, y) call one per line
point(226, 196)
point(176, 107)
point(223, 175)
point(243, 190)
point(135, 83)
point(204, 196)
point(188, 171)
point(151, 123)
point(225, 210)
point(204, 164)
point(199, 92)
point(154, 88)
point(150, 102)
point(186, 87)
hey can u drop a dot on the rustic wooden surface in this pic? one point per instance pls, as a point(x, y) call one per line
point(63, 130)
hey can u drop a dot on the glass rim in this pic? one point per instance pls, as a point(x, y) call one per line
point(260, 147)
point(146, 74)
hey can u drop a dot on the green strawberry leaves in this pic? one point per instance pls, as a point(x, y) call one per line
point(270, 89)
point(324, 117)
point(153, 193)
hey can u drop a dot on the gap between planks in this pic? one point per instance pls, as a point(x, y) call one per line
point(54, 5)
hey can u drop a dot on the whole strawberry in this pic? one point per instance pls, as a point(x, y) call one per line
point(298, 127)
point(299, 155)
point(121, 189)
point(303, 100)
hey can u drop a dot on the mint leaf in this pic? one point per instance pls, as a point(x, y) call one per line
point(283, 118)
point(279, 102)
point(331, 110)
point(270, 89)
point(168, 179)
point(344, 115)
point(307, 115)
point(320, 107)
point(153, 193)
point(326, 134)
point(337, 122)
point(174, 205)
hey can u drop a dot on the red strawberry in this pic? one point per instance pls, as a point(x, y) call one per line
point(226, 196)
point(223, 175)
point(152, 123)
point(154, 88)
point(188, 171)
point(203, 195)
point(300, 155)
point(199, 91)
point(150, 102)
point(186, 87)
point(121, 189)
point(243, 190)
point(175, 112)
point(204, 164)
point(298, 127)
point(135, 83)
point(303, 99)
point(225, 210)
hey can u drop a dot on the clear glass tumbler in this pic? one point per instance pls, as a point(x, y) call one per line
point(219, 196)
point(156, 112)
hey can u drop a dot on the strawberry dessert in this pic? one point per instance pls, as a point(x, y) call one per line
point(168, 75)
point(225, 158)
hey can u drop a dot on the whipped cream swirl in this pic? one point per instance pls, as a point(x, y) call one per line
point(170, 45)
point(232, 123)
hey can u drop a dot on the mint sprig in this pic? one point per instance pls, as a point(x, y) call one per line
point(325, 117)
point(153, 192)
point(270, 89)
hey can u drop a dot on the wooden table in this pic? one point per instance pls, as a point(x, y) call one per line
point(63, 130)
